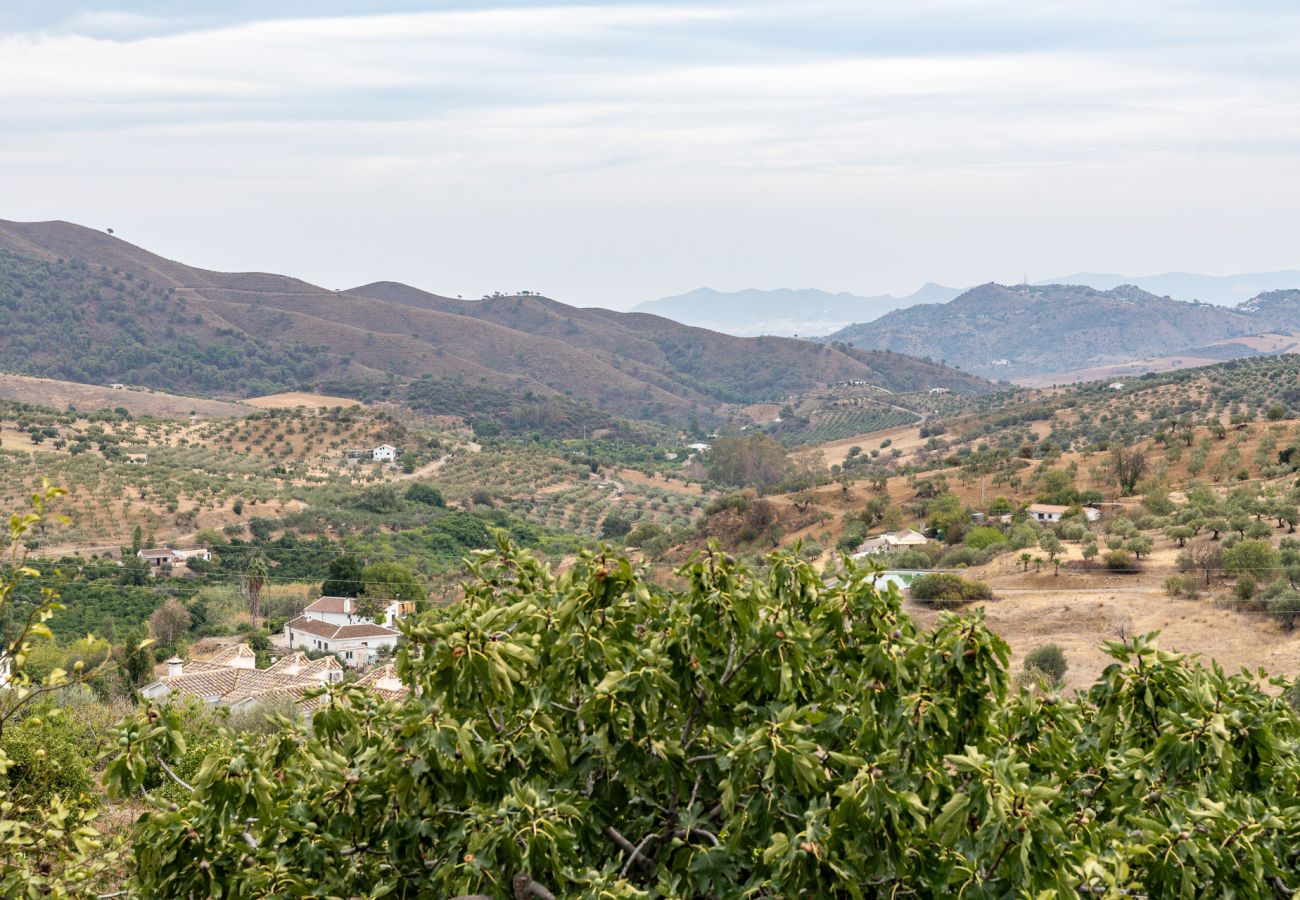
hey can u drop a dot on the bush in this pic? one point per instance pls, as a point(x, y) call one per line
point(614, 527)
point(1251, 556)
point(960, 557)
point(946, 590)
point(1245, 588)
point(911, 559)
point(1284, 610)
point(1049, 660)
point(984, 536)
point(1118, 561)
point(47, 762)
point(425, 494)
point(1185, 586)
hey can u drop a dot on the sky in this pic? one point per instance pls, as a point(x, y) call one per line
point(608, 153)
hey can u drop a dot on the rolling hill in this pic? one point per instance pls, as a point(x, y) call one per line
point(84, 306)
point(1028, 330)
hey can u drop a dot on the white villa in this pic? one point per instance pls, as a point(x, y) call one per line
point(384, 453)
point(890, 541)
point(1052, 512)
point(332, 624)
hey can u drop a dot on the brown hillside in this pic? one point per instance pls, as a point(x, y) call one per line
point(141, 318)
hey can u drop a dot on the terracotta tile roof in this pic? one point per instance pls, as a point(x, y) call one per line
point(159, 553)
point(229, 685)
point(340, 605)
point(233, 656)
point(383, 680)
point(297, 664)
point(339, 632)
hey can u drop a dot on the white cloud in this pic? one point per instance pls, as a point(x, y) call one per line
point(775, 141)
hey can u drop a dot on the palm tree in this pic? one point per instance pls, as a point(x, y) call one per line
point(1025, 560)
point(254, 581)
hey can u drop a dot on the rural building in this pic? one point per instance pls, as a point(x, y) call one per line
point(158, 557)
point(890, 541)
point(354, 645)
point(1052, 512)
point(137, 459)
point(333, 625)
point(343, 611)
point(384, 453)
point(231, 678)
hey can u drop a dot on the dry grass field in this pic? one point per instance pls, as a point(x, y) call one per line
point(88, 398)
point(296, 399)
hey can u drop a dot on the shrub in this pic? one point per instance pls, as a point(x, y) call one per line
point(946, 590)
point(1186, 586)
point(425, 494)
point(1284, 610)
point(1118, 560)
point(1049, 659)
point(614, 526)
point(47, 761)
point(983, 537)
point(959, 558)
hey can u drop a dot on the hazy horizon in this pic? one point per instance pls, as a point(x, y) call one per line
point(609, 153)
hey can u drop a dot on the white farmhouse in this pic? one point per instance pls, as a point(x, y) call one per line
point(158, 557)
point(333, 625)
point(354, 645)
point(1052, 512)
point(384, 453)
point(343, 611)
point(890, 541)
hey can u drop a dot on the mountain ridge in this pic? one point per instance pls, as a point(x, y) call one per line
point(89, 307)
point(1030, 330)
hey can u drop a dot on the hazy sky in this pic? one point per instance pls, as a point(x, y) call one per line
point(609, 153)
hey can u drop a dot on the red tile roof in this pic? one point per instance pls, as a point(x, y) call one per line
point(341, 605)
point(339, 632)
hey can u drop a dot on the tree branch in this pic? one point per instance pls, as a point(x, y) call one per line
point(174, 777)
point(525, 887)
point(634, 854)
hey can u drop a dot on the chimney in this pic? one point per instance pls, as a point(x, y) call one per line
point(174, 666)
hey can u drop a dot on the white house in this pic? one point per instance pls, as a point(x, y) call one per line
point(890, 541)
point(343, 611)
point(384, 453)
point(1052, 512)
point(158, 557)
point(354, 645)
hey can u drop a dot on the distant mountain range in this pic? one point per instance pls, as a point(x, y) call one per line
point(805, 312)
point(80, 305)
point(809, 312)
point(1029, 330)
point(1225, 290)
